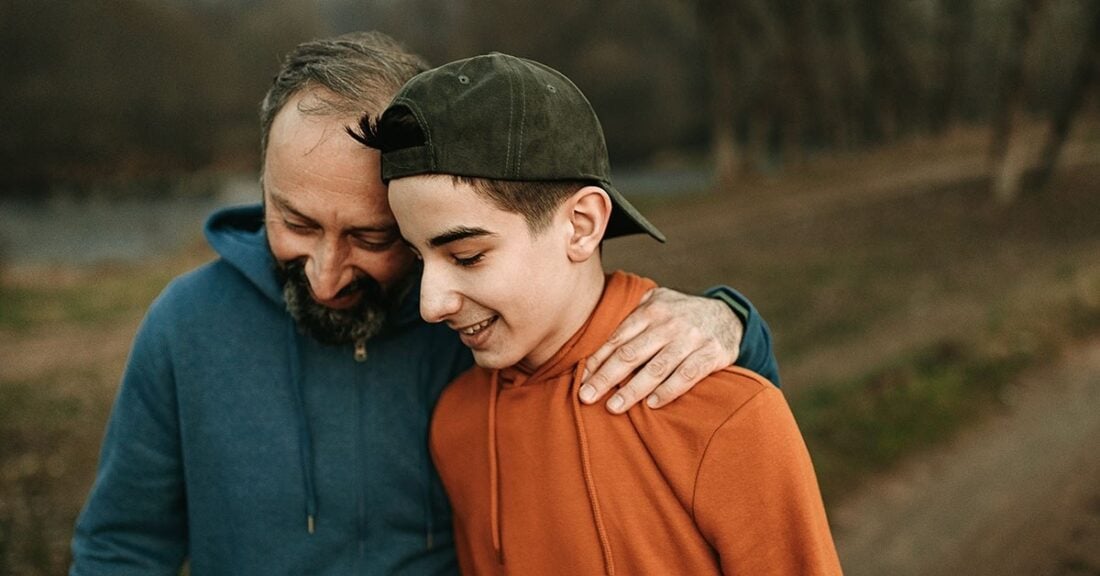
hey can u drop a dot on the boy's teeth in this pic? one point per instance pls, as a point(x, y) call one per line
point(476, 327)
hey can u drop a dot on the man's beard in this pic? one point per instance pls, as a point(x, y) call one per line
point(361, 321)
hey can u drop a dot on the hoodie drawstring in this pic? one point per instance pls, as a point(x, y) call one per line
point(305, 439)
point(494, 468)
point(586, 466)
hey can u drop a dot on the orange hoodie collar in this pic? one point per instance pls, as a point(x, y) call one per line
point(621, 294)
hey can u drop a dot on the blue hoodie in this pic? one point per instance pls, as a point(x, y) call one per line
point(247, 447)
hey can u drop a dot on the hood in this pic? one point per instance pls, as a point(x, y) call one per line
point(238, 235)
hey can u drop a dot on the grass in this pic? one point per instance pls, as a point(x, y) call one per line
point(902, 301)
point(78, 300)
point(64, 335)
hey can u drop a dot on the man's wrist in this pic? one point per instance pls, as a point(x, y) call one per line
point(731, 298)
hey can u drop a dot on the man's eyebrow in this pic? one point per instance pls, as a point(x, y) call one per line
point(457, 233)
point(283, 204)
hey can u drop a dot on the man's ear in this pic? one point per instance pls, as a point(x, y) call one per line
point(588, 211)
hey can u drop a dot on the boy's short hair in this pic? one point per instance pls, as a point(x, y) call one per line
point(534, 200)
point(501, 119)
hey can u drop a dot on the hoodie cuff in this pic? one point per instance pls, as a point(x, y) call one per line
point(756, 342)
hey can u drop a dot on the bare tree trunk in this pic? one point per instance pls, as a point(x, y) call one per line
point(1085, 76)
point(716, 23)
point(956, 24)
point(1008, 165)
point(797, 77)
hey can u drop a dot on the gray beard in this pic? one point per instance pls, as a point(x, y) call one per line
point(361, 322)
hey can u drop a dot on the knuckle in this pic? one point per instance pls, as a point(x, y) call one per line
point(694, 368)
point(701, 364)
point(696, 334)
point(657, 367)
point(666, 392)
point(627, 352)
point(616, 336)
point(599, 381)
point(628, 393)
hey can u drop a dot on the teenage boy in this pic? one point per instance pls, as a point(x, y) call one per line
point(499, 178)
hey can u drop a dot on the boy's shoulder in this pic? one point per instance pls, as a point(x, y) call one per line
point(682, 431)
point(717, 398)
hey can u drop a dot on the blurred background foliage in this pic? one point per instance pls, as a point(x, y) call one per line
point(859, 168)
point(109, 91)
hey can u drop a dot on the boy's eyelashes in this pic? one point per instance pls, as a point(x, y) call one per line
point(464, 261)
point(469, 260)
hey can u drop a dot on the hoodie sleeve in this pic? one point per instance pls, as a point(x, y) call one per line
point(756, 342)
point(756, 495)
point(134, 521)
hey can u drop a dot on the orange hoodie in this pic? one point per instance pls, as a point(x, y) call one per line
point(717, 482)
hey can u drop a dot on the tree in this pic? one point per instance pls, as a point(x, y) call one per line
point(1085, 76)
point(716, 18)
point(1009, 164)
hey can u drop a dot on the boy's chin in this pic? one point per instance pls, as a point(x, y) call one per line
point(493, 359)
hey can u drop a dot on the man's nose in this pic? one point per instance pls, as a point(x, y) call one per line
point(327, 272)
point(438, 299)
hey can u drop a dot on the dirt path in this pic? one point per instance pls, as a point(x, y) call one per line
point(1017, 494)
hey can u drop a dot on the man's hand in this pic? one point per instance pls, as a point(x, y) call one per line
point(680, 339)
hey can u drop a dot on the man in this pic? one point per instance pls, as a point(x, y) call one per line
point(274, 412)
point(495, 204)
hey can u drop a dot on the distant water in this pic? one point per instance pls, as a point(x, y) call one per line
point(81, 231)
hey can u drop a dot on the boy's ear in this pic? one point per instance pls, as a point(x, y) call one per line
point(588, 211)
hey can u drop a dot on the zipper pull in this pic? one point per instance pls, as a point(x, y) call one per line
point(361, 350)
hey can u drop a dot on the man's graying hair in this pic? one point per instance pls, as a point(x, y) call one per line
point(362, 70)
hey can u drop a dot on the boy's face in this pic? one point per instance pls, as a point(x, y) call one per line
point(501, 287)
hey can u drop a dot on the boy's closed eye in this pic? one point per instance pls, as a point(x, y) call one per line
point(467, 261)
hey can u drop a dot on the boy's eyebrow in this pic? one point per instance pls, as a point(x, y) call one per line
point(457, 233)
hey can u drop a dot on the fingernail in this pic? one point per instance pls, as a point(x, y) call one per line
point(588, 394)
point(652, 401)
point(616, 403)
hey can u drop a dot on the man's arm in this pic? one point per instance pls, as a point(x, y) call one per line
point(134, 521)
point(679, 339)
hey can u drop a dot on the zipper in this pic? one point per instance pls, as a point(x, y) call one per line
point(361, 350)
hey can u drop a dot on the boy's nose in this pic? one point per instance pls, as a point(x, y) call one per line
point(438, 300)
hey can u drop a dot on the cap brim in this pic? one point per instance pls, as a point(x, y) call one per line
point(625, 219)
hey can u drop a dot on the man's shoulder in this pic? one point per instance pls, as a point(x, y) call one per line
point(209, 282)
point(210, 293)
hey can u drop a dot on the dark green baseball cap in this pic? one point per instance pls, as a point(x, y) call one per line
point(501, 117)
